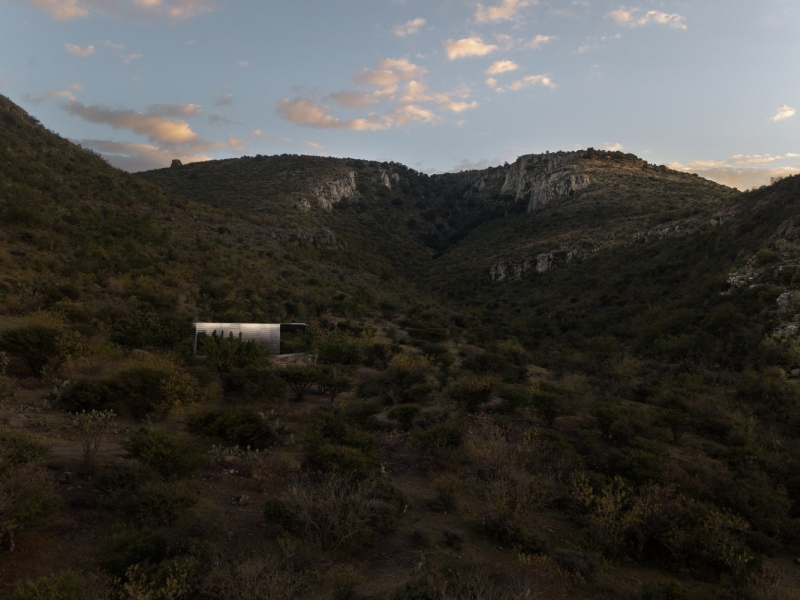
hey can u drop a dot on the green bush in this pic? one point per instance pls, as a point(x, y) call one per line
point(34, 344)
point(342, 459)
point(404, 414)
point(338, 349)
point(131, 546)
point(243, 428)
point(255, 384)
point(157, 503)
point(18, 449)
point(122, 479)
point(225, 354)
point(299, 378)
point(439, 436)
point(148, 391)
point(472, 390)
point(168, 455)
point(64, 586)
point(89, 395)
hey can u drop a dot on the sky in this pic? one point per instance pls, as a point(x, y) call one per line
point(711, 86)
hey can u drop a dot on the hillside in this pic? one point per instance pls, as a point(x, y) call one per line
point(571, 376)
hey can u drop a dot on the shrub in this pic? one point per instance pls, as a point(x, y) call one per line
point(439, 436)
point(404, 372)
point(334, 511)
point(299, 378)
point(404, 414)
point(225, 354)
point(157, 503)
point(17, 449)
point(338, 446)
point(170, 456)
point(154, 390)
point(255, 384)
point(342, 459)
point(339, 349)
point(89, 395)
point(131, 546)
point(91, 427)
point(244, 428)
point(40, 346)
point(548, 405)
point(64, 586)
point(472, 390)
point(27, 494)
point(446, 487)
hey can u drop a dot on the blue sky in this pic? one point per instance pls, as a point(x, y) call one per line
point(709, 86)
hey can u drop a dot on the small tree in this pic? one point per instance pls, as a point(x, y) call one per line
point(548, 405)
point(44, 346)
point(405, 371)
point(91, 427)
point(299, 378)
point(339, 349)
point(606, 415)
point(677, 421)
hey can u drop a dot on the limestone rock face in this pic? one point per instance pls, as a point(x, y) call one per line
point(506, 270)
point(556, 258)
point(335, 191)
point(541, 178)
point(514, 268)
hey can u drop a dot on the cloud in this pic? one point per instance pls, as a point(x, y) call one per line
point(389, 73)
point(491, 82)
point(398, 82)
point(315, 145)
point(242, 64)
point(81, 51)
point(536, 43)
point(62, 94)
point(358, 99)
point(410, 28)
point(613, 147)
point(507, 9)
point(137, 10)
point(224, 100)
point(471, 46)
point(635, 17)
point(118, 50)
point(175, 110)
point(413, 114)
point(134, 157)
point(784, 112)
point(530, 80)
point(155, 124)
point(311, 114)
point(61, 10)
point(739, 171)
point(502, 66)
point(217, 120)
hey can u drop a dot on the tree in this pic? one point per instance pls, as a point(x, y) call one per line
point(299, 378)
point(548, 405)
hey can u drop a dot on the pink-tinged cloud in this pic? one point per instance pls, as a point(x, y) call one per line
point(507, 9)
point(530, 80)
point(357, 99)
point(636, 17)
point(154, 124)
point(783, 113)
point(409, 28)
point(311, 114)
point(502, 66)
point(137, 10)
point(471, 46)
point(140, 157)
point(79, 51)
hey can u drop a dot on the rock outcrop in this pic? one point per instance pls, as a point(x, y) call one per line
point(514, 268)
point(541, 178)
point(387, 178)
point(333, 192)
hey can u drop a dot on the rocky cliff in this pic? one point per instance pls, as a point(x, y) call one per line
point(335, 191)
point(541, 178)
